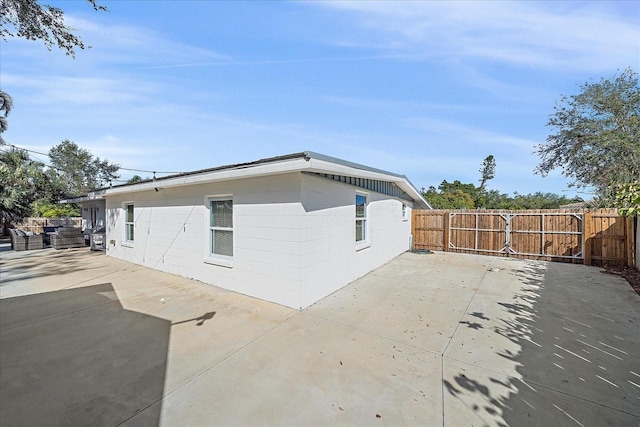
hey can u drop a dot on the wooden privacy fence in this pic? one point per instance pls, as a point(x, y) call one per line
point(592, 237)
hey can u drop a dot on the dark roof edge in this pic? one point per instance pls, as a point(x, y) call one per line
point(218, 168)
point(318, 156)
point(306, 155)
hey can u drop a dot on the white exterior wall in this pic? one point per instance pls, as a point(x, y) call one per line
point(330, 256)
point(95, 207)
point(294, 235)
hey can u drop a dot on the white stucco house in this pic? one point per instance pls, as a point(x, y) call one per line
point(290, 229)
point(93, 209)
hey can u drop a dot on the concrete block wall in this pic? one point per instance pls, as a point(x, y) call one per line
point(331, 257)
point(172, 235)
point(294, 235)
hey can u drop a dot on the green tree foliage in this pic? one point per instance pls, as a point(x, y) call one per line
point(56, 210)
point(458, 195)
point(31, 20)
point(34, 21)
point(597, 135)
point(6, 103)
point(135, 178)
point(627, 198)
point(452, 198)
point(76, 172)
point(539, 200)
point(22, 182)
point(487, 170)
point(467, 196)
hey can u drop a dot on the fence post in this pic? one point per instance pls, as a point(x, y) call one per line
point(445, 226)
point(629, 237)
point(413, 229)
point(586, 235)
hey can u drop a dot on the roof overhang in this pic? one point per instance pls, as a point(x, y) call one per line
point(299, 162)
point(94, 195)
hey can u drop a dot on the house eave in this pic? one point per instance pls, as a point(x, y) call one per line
point(94, 195)
point(298, 162)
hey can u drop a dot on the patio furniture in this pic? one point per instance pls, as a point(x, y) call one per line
point(67, 238)
point(47, 232)
point(97, 241)
point(97, 237)
point(21, 241)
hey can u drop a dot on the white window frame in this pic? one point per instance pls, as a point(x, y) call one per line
point(128, 236)
point(405, 212)
point(361, 244)
point(210, 256)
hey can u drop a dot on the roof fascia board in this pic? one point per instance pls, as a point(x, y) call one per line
point(216, 176)
point(280, 167)
point(311, 162)
point(94, 195)
point(357, 166)
point(323, 166)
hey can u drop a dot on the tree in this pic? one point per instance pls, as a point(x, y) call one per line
point(57, 210)
point(33, 21)
point(6, 103)
point(539, 200)
point(77, 172)
point(476, 194)
point(487, 170)
point(597, 135)
point(134, 178)
point(627, 198)
point(456, 195)
point(22, 181)
point(455, 199)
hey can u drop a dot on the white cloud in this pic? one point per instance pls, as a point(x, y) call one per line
point(453, 132)
point(576, 36)
point(55, 90)
point(136, 45)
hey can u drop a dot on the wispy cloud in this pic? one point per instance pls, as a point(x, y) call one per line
point(55, 89)
point(454, 132)
point(577, 36)
point(122, 44)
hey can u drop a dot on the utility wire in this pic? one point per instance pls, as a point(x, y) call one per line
point(125, 169)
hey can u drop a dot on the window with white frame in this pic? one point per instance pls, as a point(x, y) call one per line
point(221, 227)
point(361, 218)
point(405, 212)
point(128, 222)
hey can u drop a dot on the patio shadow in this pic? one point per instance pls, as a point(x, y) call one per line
point(572, 339)
point(77, 357)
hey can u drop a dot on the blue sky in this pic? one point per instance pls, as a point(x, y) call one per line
point(426, 89)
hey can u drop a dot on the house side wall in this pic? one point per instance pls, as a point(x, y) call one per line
point(95, 207)
point(172, 235)
point(294, 235)
point(330, 256)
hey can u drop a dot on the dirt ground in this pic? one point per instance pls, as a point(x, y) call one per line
point(629, 273)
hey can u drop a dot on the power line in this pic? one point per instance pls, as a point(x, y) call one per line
point(125, 169)
point(141, 170)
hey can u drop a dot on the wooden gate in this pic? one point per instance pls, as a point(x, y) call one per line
point(591, 237)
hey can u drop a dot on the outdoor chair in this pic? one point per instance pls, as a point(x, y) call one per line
point(21, 241)
point(47, 232)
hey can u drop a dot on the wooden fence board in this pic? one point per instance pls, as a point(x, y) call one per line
point(599, 237)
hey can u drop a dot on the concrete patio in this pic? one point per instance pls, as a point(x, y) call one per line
point(439, 339)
